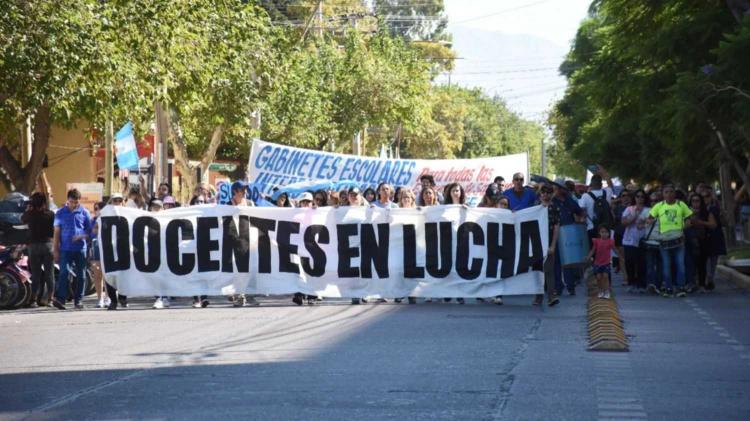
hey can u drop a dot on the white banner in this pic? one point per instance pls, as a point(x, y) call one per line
point(438, 251)
point(273, 165)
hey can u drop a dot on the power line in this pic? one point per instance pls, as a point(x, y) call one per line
point(513, 9)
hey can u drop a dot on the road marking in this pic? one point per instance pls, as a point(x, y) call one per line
point(616, 389)
point(720, 330)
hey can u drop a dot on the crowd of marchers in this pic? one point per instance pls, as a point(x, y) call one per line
point(666, 241)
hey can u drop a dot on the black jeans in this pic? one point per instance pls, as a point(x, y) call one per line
point(41, 263)
point(113, 295)
point(635, 266)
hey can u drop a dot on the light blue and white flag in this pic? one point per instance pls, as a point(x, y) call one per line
point(126, 152)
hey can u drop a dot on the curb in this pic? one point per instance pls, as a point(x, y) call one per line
point(739, 279)
point(605, 326)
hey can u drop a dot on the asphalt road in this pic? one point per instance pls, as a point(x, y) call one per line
point(689, 359)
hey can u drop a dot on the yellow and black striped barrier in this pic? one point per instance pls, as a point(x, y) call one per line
point(605, 326)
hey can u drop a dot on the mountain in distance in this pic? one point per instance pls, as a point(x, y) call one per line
point(520, 68)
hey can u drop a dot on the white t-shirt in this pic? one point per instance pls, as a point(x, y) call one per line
point(632, 235)
point(586, 202)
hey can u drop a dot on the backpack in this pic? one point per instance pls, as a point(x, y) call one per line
point(602, 211)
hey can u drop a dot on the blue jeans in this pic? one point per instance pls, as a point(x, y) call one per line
point(673, 258)
point(78, 260)
point(653, 267)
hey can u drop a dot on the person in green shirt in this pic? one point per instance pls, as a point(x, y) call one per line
point(672, 215)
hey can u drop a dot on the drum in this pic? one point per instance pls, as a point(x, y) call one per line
point(573, 245)
point(671, 244)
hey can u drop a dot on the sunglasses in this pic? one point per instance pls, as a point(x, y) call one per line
point(518, 179)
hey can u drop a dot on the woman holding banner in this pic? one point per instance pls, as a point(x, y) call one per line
point(407, 201)
point(455, 195)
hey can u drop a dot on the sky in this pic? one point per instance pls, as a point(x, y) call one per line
point(513, 48)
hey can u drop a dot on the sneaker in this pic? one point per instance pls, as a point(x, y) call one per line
point(447, 300)
point(251, 301)
point(112, 306)
point(498, 300)
point(651, 289)
point(428, 300)
point(310, 301)
point(681, 293)
point(33, 304)
point(412, 300)
point(297, 299)
point(78, 306)
point(58, 305)
point(537, 300)
point(398, 300)
point(460, 301)
point(123, 301)
point(158, 304)
point(165, 302)
point(480, 300)
point(667, 293)
point(381, 300)
point(239, 300)
point(356, 301)
point(600, 294)
point(100, 304)
point(204, 303)
point(196, 304)
point(107, 301)
point(690, 289)
point(606, 295)
point(553, 301)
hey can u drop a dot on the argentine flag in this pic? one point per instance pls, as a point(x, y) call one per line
point(126, 152)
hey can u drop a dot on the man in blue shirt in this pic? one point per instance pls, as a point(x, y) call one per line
point(72, 228)
point(520, 197)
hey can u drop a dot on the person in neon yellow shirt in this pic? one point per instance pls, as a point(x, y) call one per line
point(672, 215)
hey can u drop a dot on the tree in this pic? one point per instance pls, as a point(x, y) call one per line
point(56, 67)
point(654, 80)
point(208, 62)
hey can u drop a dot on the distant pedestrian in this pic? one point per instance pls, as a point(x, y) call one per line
point(40, 221)
point(72, 230)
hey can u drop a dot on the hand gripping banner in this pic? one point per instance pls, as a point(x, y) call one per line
point(438, 251)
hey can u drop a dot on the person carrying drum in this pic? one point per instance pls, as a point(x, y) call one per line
point(672, 215)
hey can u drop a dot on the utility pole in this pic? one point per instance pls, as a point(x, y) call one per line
point(109, 138)
point(161, 158)
point(357, 144)
point(27, 138)
point(319, 15)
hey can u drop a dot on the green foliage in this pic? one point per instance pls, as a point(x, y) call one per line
point(466, 123)
point(52, 55)
point(327, 93)
point(648, 88)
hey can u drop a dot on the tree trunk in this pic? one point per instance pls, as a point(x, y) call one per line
point(732, 159)
point(23, 179)
point(727, 202)
point(182, 160)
